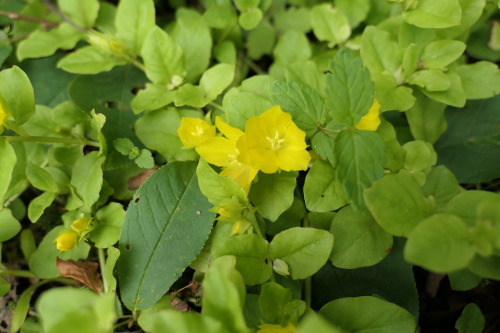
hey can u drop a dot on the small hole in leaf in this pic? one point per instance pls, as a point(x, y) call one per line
point(322, 195)
point(127, 246)
point(136, 200)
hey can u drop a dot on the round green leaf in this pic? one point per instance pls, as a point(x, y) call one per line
point(305, 250)
point(359, 240)
point(440, 243)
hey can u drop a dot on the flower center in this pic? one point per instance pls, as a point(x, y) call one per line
point(198, 131)
point(276, 142)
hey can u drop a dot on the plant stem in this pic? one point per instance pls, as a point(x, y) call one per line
point(17, 16)
point(217, 106)
point(253, 66)
point(102, 263)
point(49, 139)
point(18, 273)
point(56, 10)
point(255, 224)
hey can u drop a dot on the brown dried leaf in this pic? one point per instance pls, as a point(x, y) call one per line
point(135, 182)
point(180, 305)
point(84, 272)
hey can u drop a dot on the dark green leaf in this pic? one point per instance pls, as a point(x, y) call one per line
point(471, 320)
point(165, 228)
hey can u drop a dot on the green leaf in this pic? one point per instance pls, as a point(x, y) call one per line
point(145, 159)
point(430, 79)
point(294, 18)
point(220, 16)
point(89, 60)
point(426, 119)
point(81, 309)
point(38, 205)
point(23, 305)
point(487, 267)
point(251, 252)
point(391, 279)
point(163, 58)
point(241, 106)
point(28, 245)
point(244, 5)
point(397, 204)
point(369, 314)
point(4, 286)
point(109, 266)
point(359, 156)
point(440, 243)
point(480, 80)
point(158, 131)
point(356, 11)
point(419, 156)
point(434, 14)
point(17, 94)
point(87, 177)
point(314, 323)
point(224, 294)
point(260, 41)
point(41, 178)
point(469, 148)
point(305, 105)
point(349, 87)
point(390, 94)
point(8, 161)
point(9, 225)
point(83, 13)
point(175, 223)
point(379, 52)
point(45, 43)
point(442, 185)
point(216, 79)
point(134, 20)
point(471, 12)
point(305, 250)
point(471, 320)
point(273, 193)
point(190, 95)
point(322, 192)
point(359, 240)
point(329, 24)
point(441, 53)
point(153, 97)
point(454, 96)
point(464, 280)
point(292, 40)
point(124, 146)
point(107, 230)
point(466, 204)
point(272, 300)
point(250, 18)
point(43, 260)
point(217, 188)
point(110, 94)
point(194, 37)
point(185, 322)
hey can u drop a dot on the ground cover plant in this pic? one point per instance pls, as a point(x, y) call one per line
point(249, 166)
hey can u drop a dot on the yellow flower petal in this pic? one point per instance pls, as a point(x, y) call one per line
point(81, 225)
point(195, 131)
point(218, 151)
point(230, 132)
point(241, 173)
point(66, 240)
point(293, 160)
point(270, 328)
point(370, 121)
point(3, 114)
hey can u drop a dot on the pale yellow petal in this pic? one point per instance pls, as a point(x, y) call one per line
point(242, 174)
point(195, 131)
point(66, 240)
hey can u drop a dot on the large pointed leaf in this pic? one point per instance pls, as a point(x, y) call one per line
point(165, 228)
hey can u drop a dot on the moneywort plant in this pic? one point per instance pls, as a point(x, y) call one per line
point(246, 165)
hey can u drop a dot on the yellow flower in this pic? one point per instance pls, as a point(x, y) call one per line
point(66, 240)
point(371, 120)
point(272, 141)
point(223, 152)
point(270, 328)
point(194, 131)
point(81, 225)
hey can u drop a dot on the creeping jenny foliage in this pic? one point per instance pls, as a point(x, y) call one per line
point(245, 165)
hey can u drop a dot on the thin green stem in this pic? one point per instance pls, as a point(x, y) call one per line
point(253, 66)
point(255, 224)
point(56, 10)
point(18, 273)
point(49, 139)
point(137, 64)
point(217, 106)
point(307, 282)
point(102, 263)
point(327, 130)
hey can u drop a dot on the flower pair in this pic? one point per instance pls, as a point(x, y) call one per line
point(271, 142)
point(67, 239)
